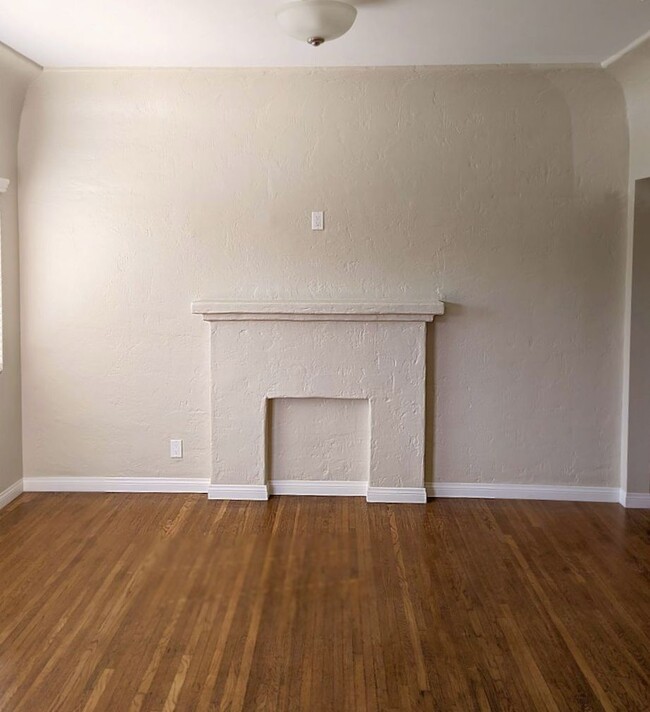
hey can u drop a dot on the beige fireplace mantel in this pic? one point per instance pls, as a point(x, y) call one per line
point(368, 356)
point(317, 311)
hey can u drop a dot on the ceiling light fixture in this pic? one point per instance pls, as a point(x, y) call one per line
point(316, 21)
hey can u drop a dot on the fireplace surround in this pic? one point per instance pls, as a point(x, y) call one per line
point(260, 352)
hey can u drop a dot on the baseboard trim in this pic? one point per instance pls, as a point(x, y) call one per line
point(407, 495)
point(560, 493)
point(241, 492)
point(116, 484)
point(8, 495)
point(397, 495)
point(320, 488)
point(636, 500)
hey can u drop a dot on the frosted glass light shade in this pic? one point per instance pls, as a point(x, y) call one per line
point(316, 21)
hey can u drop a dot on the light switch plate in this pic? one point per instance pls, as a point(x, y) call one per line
point(317, 221)
point(176, 448)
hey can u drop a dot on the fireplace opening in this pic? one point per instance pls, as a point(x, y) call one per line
point(318, 439)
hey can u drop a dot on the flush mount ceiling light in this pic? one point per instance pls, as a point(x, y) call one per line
point(316, 21)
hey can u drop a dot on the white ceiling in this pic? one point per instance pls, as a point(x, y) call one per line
point(226, 33)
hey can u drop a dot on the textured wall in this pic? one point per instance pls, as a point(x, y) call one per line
point(320, 439)
point(502, 190)
point(633, 73)
point(15, 74)
point(382, 362)
point(639, 415)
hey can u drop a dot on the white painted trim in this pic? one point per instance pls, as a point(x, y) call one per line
point(9, 494)
point(4, 185)
point(562, 493)
point(246, 492)
point(621, 53)
point(115, 484)
point(316, 311)
point(318, 488)
point(403, 495)
point(636, 500)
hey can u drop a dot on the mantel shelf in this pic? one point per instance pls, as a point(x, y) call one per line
point(317, 311)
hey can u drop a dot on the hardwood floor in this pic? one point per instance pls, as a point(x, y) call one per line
point(173, 602)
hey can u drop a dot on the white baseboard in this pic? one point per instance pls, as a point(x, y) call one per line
point(248, 492)
point(115, 484)
point(636, 500)
point(328, 489)
point(397, 495)
point(562, 493)
point(9, 494)
point(318, 488)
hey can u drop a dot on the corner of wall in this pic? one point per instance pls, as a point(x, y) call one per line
point(16, 74)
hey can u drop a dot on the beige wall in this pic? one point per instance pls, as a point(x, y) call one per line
point(639, 413)
point(633, 73)
point(15, 74)
point(501, 190)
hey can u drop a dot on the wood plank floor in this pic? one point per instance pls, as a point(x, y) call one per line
point(173, 602)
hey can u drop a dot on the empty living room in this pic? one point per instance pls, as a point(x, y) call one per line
point(325, 356)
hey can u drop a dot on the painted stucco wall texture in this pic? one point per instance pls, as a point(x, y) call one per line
point(319, 439)
point(638, 478)
point(633, 73)
point(257, 362)
point(500, 190)
point(15, 75)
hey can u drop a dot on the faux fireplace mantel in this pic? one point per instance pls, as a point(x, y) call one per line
point(373, 353)
point(316, 311)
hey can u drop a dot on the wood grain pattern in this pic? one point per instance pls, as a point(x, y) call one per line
point(164, 603)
